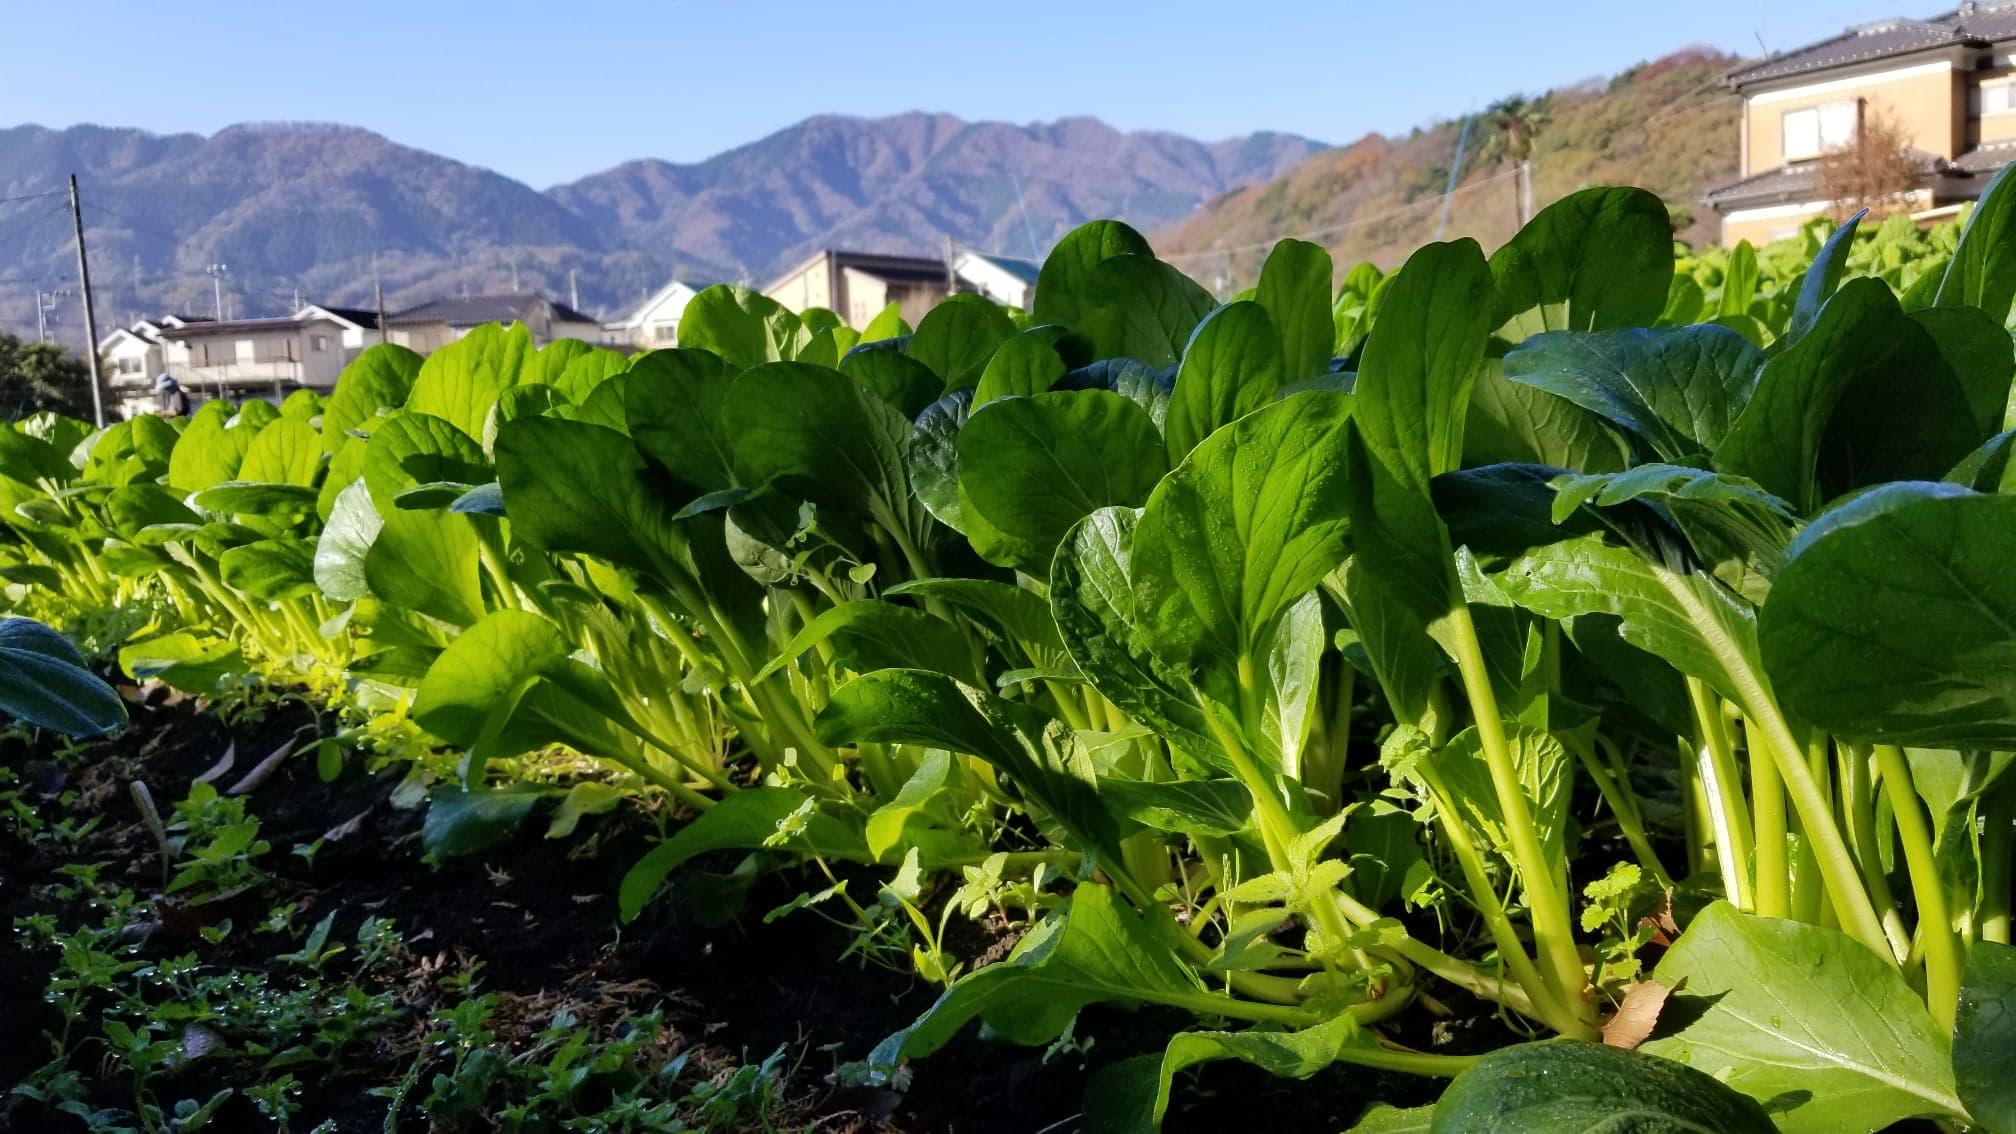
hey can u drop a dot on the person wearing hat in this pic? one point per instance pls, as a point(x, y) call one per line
point(174, 402)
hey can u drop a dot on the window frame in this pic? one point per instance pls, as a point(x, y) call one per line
point(1822, 146)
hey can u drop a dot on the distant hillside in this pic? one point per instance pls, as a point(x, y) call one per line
point(1665, 125)
point(304, 206)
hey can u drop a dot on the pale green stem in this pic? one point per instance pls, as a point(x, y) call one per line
point(1935, 921)
point(1767, 803)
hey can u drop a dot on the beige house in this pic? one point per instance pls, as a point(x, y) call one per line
point(858, 285)
point(653, 323)
point(430, 326)
point(236, 357)
point(1949, 81)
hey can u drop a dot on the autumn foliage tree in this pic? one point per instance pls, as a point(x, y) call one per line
point(1877, 172)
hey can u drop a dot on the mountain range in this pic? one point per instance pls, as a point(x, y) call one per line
point(304, 209)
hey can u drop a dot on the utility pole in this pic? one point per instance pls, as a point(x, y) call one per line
point(378, 289)
point(90, 319)
point(951, 275)
point(217, 272)
point(514, 273)
point(573, 289)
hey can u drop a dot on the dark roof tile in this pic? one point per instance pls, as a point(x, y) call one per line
point(1975, 25)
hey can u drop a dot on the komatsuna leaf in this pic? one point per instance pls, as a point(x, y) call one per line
point(1096, 950)
point(211, 449)
point(1421, 360)
point(194, 663)
point(672, 400)
point(776, 818)
point(898, 379)
point(462, 381)
point(1594, 260)
point(1570, 1087)
point(1020, 616)
point(1093, 602)
point(823, 437)
point(345, 543)
point(1021, 366)
point(1032, 467)
point(957, 337)
point(570, 486)
point(1984, 1035)
point(1062, 285)
point(742, 326)
point(1511, 422)
point(934, 457)
point(1230, 368)
point(379, 379)
point(1295, 291)
point(1804, 1019)
point(1979, 352)
point(1140, 308)
point(1983, 271)
point(1865, 397)
point(413, 449)
point(270, 569)
point(46, 682)
point(914, 706)
point(285, 452)
point(1248, 524)
point(507, 685)
point(1894, 619)
point(1675, 392)
point(1282, 1054)
point(462, 822)
point(869, 634)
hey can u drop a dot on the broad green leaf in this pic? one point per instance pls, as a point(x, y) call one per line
point(1092, 599)
point(427, 562)
point(379, 379)
point(211, 450)
point(30, 459)
point(1295, 290)
point(129, 452)
point(415, 449)
point(1032, 467)
point(1863, 398)
point(460, 823)
point(1421, 360)
point(887, 324)
point(1594, 260)
point(1984, 1035)
point(588, 797)
point(897, 379)
point(822, 437)
point(672, 400)
point(46, 682)
point(1546, 773)
point(1140, 308)
point(869, 634)
point(1805, 1020)
point(270, 569)
point(582, 488)
point(285, 452)
point(195, 664)
point(957, 337)
point(934, 457)
point(1282, 1054)
point(507, 685)
point(914, 706)
point(1382, 1119)
point(1193, 807)
point(461, 381)
point(1980, 353)
point(1568, 1087)
point(745, 328)
point(1096, 950)
point(1019, 616)
point(1022, 366)
point(1244, 527)
point(1675, 392)
point(1062, 284)
point(344, 544)
point(778, 818)
point(1739, 282)
point(1230, 368)
point(1983, 271)
point(1894, 619)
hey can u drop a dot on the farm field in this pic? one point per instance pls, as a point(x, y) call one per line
point(1502, 693)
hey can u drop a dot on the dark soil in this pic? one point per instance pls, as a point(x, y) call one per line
point(540, 917)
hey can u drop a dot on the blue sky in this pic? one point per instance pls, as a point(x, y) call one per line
point(547, 92)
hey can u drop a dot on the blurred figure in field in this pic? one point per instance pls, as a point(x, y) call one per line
point(174, 401)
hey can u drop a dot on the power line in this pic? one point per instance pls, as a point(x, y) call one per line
point(32, 196)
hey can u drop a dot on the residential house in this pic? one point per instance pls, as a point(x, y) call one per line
point(1003, 279)
point(430, 326)
point(858, 285)
point(653, 323)
point(234, 357)
point(1948, 81)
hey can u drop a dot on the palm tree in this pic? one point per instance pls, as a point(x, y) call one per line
point(1514, 122)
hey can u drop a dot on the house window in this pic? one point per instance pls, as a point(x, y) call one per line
point(1818, 129)
point(318, 342)
point(1998, 98)
point(665, 332)
point(129, 366)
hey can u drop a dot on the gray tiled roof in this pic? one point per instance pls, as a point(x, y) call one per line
point(1972, 25)
point(1798, 183)
point(470, 310)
